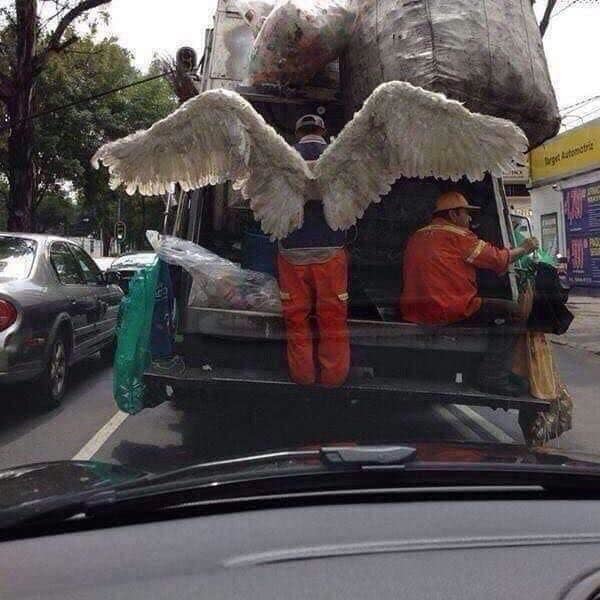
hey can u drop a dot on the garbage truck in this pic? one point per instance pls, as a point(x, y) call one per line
point(227, 350)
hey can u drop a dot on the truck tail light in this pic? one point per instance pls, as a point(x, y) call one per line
point(8, 314)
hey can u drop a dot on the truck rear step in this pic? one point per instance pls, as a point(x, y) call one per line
point(178, 380)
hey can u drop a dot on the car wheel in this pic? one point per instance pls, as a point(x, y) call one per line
point(53, 382)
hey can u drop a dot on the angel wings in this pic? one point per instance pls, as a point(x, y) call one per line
point(401, 131)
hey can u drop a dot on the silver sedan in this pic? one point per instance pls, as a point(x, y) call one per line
point(56, 308)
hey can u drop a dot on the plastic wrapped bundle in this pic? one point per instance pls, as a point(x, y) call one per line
point(298, 40)
point(217, 282)
point(485, 53)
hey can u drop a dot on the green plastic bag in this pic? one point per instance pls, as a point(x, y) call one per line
point(527, 265)
point(134, 355)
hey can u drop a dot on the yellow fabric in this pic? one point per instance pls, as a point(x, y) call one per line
point(533, 357)
point(479, 248)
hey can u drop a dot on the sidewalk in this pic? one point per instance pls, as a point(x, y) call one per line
point(584, 333)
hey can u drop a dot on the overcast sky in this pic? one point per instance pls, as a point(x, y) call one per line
point(148, 26)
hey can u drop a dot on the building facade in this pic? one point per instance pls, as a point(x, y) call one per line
point(565, 191)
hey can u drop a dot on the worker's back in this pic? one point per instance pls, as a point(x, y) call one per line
point(315, 232)
point(439, 285)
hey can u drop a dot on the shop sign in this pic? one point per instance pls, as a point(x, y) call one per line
point(571, 153)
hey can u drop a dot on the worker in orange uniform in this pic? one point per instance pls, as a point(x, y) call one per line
point(313, 277)
point(440, 286)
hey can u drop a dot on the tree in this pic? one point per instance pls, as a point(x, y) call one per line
point(28, 44)
point(56, 214)
point(110, 118)
point(65, 140)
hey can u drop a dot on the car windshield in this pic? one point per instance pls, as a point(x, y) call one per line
point(16, 257)
point(220, 239)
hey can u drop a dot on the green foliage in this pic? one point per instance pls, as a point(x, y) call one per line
point(67, 139)
point(56, 214)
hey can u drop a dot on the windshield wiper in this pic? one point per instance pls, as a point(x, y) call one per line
point(60, 507)
point(334, 456)
point(365, 456)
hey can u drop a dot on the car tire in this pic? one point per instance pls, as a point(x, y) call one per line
point(53, 383)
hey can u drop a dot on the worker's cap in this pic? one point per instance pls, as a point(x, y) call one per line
point(310, 121)
point(451, 201)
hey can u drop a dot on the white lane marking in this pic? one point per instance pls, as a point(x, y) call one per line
point(456, 423)
point(488, 426)
point(101, 437)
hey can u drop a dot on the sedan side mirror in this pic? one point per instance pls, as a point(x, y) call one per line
point(112, 277)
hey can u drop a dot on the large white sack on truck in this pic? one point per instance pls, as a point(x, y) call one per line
point(217, 282)
point(298, 40)
point(485, 53)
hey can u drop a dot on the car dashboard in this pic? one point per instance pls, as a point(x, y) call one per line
point(459, 549)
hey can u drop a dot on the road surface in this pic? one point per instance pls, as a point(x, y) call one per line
point(88, 424)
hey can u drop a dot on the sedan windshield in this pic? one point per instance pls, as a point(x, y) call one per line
point(16, 257)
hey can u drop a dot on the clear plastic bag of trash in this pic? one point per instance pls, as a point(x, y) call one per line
point(217, 282)
point(255, 12)
point(298, 40)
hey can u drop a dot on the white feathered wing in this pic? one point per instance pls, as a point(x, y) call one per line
point(406, 131)
point(212, 138)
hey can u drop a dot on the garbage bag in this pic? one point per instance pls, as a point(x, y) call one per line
point(549, 313)
point(534, 360)
point(134, 350)
point(542, 426)
point(485, 53)
point(298, 40)
point(217, 282)
point(255, 12)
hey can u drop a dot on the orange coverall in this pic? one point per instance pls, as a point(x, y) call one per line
point(440, 264)
point(323, 286)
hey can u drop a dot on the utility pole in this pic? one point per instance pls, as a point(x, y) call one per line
point(182, 81)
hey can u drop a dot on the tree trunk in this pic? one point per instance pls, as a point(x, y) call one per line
point(107, 241)
point(21, 176)
point(20, 108)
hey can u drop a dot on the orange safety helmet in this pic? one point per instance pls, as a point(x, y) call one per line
point(452, 201)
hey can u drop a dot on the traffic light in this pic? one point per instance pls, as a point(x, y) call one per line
point(120, 231)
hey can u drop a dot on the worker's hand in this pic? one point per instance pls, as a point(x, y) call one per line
point(530, 245)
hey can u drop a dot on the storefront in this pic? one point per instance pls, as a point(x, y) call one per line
point(565, 195)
